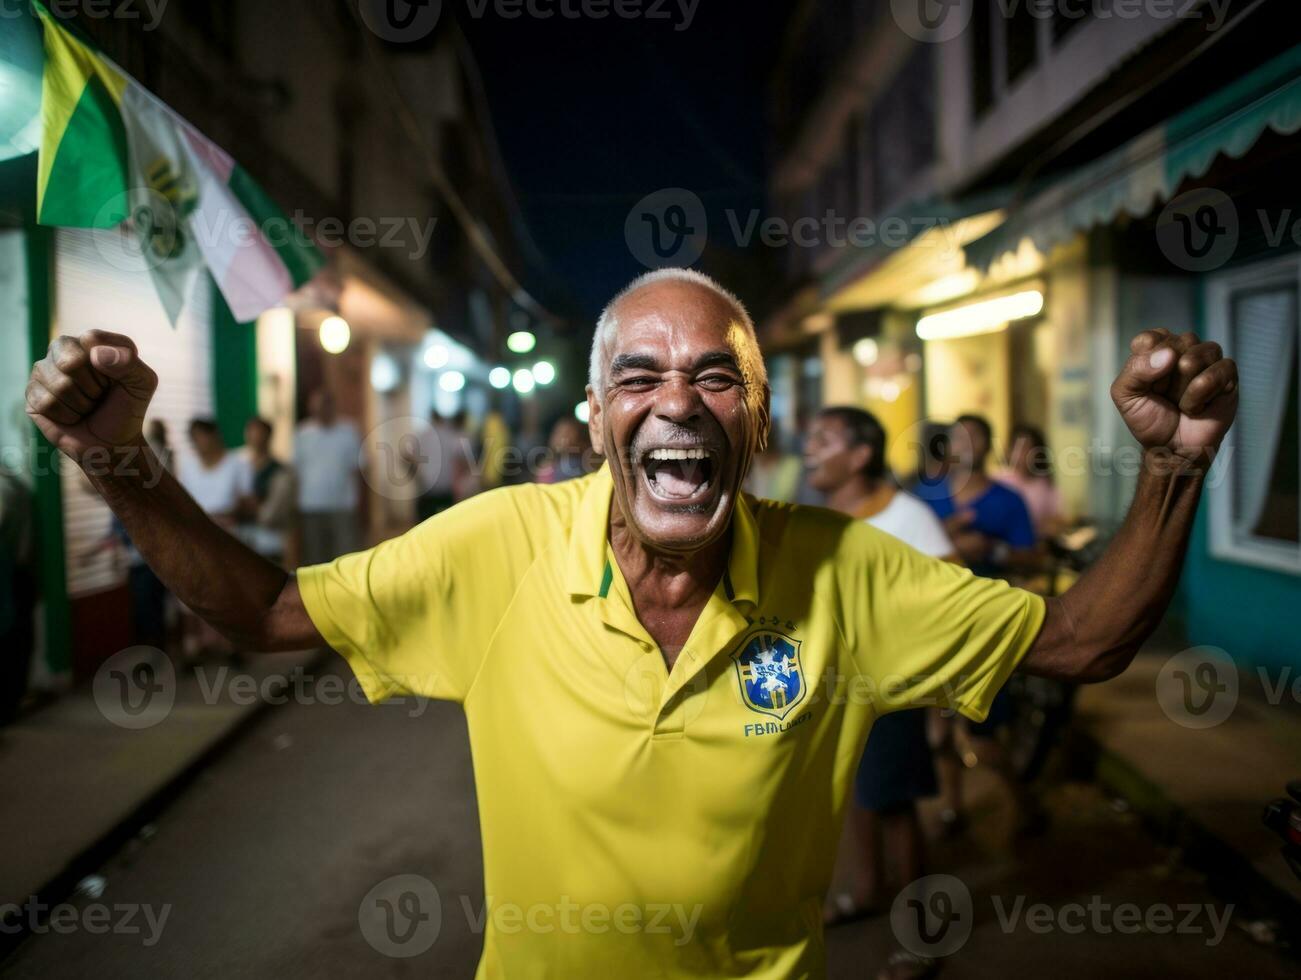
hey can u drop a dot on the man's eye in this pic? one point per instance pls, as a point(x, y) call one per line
point(641, 383)
point(717, 382)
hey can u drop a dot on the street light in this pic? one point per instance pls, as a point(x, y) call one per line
point(436, 356)
point(985, 316)
point(499, 377)
point(524, 381)
point(583, 412)
point(544, 372)
point(452, 381)
point(521, 341)
point(335, 334)
point(385, 375)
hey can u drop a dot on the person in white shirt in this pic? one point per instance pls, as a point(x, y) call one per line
point(216, 478)
point(220, 482)
point(441, 464)
point(327, 459)
point(845, 459)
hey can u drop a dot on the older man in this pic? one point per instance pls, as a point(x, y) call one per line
point(667, 685)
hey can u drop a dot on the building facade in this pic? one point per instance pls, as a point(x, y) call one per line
point(1033, 184)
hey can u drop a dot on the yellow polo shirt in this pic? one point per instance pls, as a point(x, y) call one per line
point(639, 822)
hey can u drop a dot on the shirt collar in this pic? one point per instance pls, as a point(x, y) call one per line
point(586, 573)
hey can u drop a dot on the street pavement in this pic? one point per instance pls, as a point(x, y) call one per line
point(263, 867)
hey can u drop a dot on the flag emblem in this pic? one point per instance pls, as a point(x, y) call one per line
point(770, 673)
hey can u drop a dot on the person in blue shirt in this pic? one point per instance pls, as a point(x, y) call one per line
point(992, 531)
point(989, 523)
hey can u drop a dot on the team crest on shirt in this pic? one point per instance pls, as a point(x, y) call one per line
point(770, 673)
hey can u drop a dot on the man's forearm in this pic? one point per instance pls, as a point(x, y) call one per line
point(1093, 631)
point(223, 581)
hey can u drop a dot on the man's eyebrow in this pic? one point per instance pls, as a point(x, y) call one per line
point(718, 358)
point(648, 362)
point(634, 362)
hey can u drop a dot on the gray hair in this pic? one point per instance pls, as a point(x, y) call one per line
point(608, 324)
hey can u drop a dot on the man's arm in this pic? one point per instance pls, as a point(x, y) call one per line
point(1178, 396)
point(88, 396)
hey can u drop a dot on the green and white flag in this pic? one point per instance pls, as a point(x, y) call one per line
point(113, 153)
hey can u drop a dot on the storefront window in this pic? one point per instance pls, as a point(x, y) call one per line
point(1255, 505)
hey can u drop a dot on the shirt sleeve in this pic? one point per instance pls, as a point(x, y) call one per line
point(925, 632)
point(416, 614)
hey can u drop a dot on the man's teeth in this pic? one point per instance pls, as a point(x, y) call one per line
point(667, 454)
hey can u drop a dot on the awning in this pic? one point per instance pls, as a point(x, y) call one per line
point(923, 232)
point(1148, 170)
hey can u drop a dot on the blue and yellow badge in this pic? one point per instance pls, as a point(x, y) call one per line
point(772, 679)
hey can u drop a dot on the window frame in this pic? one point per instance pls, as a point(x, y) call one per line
point(1226, 543)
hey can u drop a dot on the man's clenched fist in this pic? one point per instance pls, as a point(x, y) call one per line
point(1177, 395)
point(90, 393)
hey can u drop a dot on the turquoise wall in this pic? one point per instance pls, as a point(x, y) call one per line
point(1249, 612)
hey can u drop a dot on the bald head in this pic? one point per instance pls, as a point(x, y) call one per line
point(684, 296)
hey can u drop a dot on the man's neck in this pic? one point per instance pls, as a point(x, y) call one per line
point(970, 483)
point(669, 577)
point(669, 590)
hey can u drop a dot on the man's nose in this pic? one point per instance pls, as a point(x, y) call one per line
point(678, 401)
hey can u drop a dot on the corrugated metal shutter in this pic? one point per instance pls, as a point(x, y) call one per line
point(94, 293)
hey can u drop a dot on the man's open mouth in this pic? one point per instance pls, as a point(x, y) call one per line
point(679, 475)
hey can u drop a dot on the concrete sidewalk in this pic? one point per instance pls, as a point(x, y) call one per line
point(1202, 789)
point(79, 782)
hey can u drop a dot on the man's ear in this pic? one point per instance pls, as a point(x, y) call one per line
point(765, 419)
point(595, 422)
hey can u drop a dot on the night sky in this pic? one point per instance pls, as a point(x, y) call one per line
point(592, 115)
